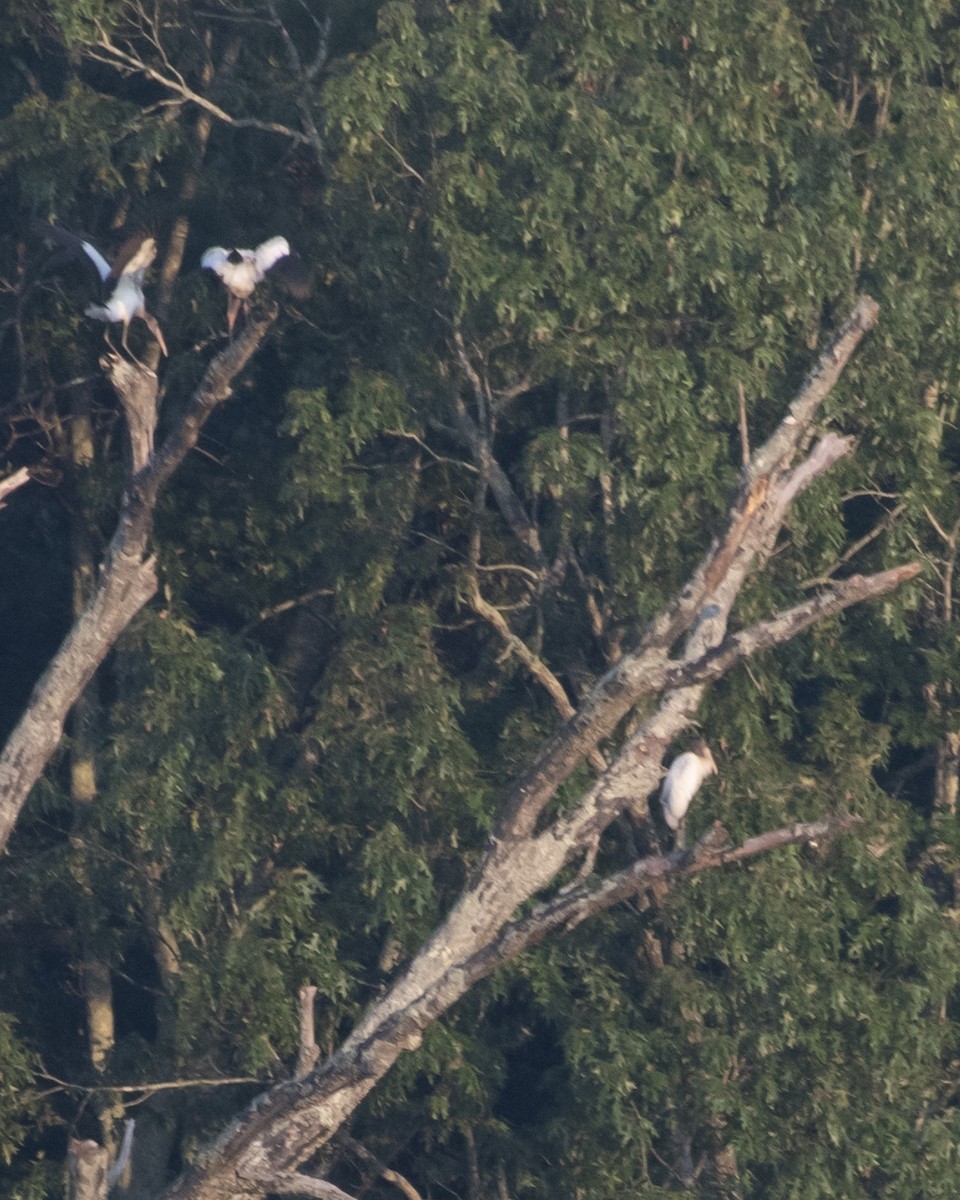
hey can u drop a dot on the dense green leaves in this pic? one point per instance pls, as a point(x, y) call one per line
point(553, 245)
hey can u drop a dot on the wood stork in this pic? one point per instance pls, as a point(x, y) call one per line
point(683, 780)
point(121, 281)
point(242, 270)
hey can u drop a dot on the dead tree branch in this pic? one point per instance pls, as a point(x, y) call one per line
point(289, 1123)
point(9, 485)
point(380, 1167)
point(309, 1050)
point(296, 1184)
point(89, 1175)
point(127, 578)
point(570, 908)
point(141, 51)
point(105, 50)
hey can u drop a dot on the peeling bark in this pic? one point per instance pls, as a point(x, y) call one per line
point(98, 999)
point(86, 1170)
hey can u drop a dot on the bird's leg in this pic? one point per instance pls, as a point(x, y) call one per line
point(153, 325)
point(681, 831)
point(233, 307)
point(106, 338)
point(130, 354)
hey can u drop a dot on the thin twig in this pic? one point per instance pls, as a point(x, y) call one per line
point(949, 538)
point(744, 431)
point(12, 482)
point(440, 458)
point(276, 610)
point(855, 548)
point(369, 1159)
point(138, 1088)
point(111, 55)
point(402, 161)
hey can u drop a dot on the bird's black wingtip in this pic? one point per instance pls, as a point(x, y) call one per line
point(293, 274)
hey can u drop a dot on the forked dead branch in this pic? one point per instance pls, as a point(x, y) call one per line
point(264, 1149)
point(127, 578)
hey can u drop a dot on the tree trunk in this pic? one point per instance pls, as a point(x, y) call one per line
point(127, 579)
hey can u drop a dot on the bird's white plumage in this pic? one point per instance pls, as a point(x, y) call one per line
point(214, 258)
point(683, 780)
point(270, 252)
point(103, 267)
point(124, 303)
point(123, 280)
point(241, 270)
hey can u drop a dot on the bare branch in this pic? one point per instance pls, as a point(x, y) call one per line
point(516, 645)
point(322, 26)
point(304, 77)
point(108, 52)
point(439, 458)
point(387, 1173)
point(9, 485)
point(410, 170)
point(752, 526)
point(290, 1122)
point(309, 1051)
point(214, 389)
point(145, 1089)
point(570, 908)
point(276, 610)
point(127, 580)
point(476, 437)
point(286, 1125)
point(86, 1170)
point(534, 664)
point(855, 547)
point(295, 1184)
point(744, 430)
point(137, 390)
point(125, 586)
point(779, 449)
point(783, 627)
point(949, 538)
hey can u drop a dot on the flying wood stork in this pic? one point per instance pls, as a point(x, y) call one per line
point(241, 271)
point(121, 281)
point(682, 783)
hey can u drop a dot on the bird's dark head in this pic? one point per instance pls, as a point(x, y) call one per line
point(702, 751)
point(235, 257)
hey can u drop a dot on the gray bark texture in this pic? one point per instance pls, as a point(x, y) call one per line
point(683, 648)
point(127, 578)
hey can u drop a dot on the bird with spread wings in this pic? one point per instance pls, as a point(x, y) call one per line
point(120, 282)
point(241, 271)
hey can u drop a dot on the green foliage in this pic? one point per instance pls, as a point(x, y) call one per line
point(19, 1065)
point(82, 141)
point(827, 988)
point(578, 230)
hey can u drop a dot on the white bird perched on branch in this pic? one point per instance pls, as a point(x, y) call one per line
point(121, 281)
point(242, 270)
point(682, 783)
